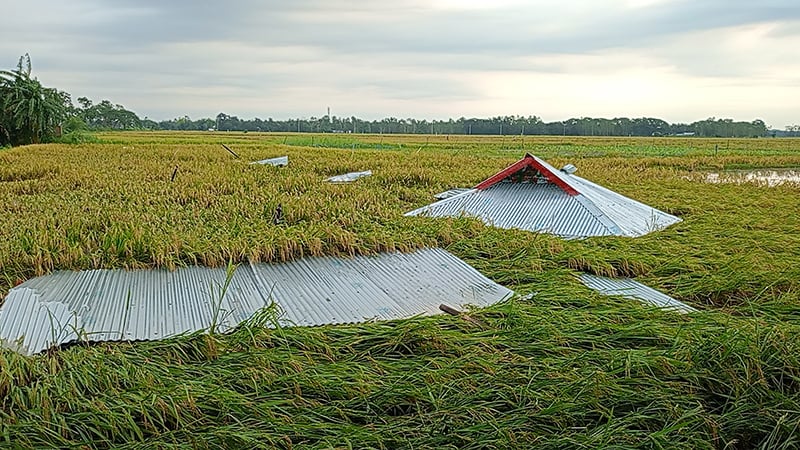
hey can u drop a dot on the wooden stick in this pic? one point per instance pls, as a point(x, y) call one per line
point(454, 312)
point(232, 152)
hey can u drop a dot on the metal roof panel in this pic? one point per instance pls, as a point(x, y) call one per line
point(279, 161)
point(112, 305)
point(629, 288)
point(349, 177)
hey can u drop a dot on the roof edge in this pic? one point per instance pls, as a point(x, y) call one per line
point(528, 161)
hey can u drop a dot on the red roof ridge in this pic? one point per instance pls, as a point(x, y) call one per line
point(528, 161)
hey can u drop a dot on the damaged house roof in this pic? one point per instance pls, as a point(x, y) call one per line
point(117, 305)
point(532, 195)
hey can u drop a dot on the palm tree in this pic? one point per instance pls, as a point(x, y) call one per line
point(29, 112)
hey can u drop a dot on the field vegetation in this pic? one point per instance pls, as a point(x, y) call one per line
point(563, 368)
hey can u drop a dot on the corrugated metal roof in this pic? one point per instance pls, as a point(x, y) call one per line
point(540, 205)
point(349, 177)
point(112, 305)
point(629, 288)
point(450, 193)
point(279, 161)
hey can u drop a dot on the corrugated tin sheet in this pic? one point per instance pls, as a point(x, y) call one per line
point(546, 207)
point(112, 305)
point(349, 177)
point(450, 193)
point(279, 161)
point(632, 217)
point(628, 288)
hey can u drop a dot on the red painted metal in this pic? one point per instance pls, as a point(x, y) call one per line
point(500, 176)
point(527, 161)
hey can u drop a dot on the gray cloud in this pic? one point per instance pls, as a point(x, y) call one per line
point(541, 27)
point(406, 50)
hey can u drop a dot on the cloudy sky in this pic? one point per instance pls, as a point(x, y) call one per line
point(677, 60)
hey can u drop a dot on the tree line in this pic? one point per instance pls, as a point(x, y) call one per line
point(32, 113)
point(501, 125)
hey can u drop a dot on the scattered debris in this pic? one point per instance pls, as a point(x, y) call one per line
point(349, 177)
point(632, 289)
point(534, 196)
point(528, 296)
point(280, 161)
point(277, 216)
point(117, 305)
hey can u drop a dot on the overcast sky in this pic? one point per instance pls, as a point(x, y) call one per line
point(677, 60)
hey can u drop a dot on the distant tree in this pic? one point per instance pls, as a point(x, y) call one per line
point(29, 112)
point(106, 115)
point(712, 127)
point(148, 124)
point(73, 124)
point(84, 102)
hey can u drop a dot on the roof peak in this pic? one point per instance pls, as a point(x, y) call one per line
point(550, 173)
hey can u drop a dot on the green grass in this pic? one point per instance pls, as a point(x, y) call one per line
point(545, 146)
point(564, 369)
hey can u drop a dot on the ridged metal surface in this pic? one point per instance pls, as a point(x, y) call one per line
point(279, 161)
point(541, 208)
point(112, 305)
point(633, 218)
point(546, 207)
point(450, 193)
point(628, 288)
point(349, 177)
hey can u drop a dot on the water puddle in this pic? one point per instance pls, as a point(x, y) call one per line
point(768, 177)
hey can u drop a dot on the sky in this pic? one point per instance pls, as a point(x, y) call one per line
point(677, 60)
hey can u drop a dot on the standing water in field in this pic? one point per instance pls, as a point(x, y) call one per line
point(770, 177)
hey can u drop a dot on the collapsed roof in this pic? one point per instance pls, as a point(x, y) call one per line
point(534, 196)
point(117, 305)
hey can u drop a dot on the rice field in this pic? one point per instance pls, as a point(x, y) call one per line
point(564, 368)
